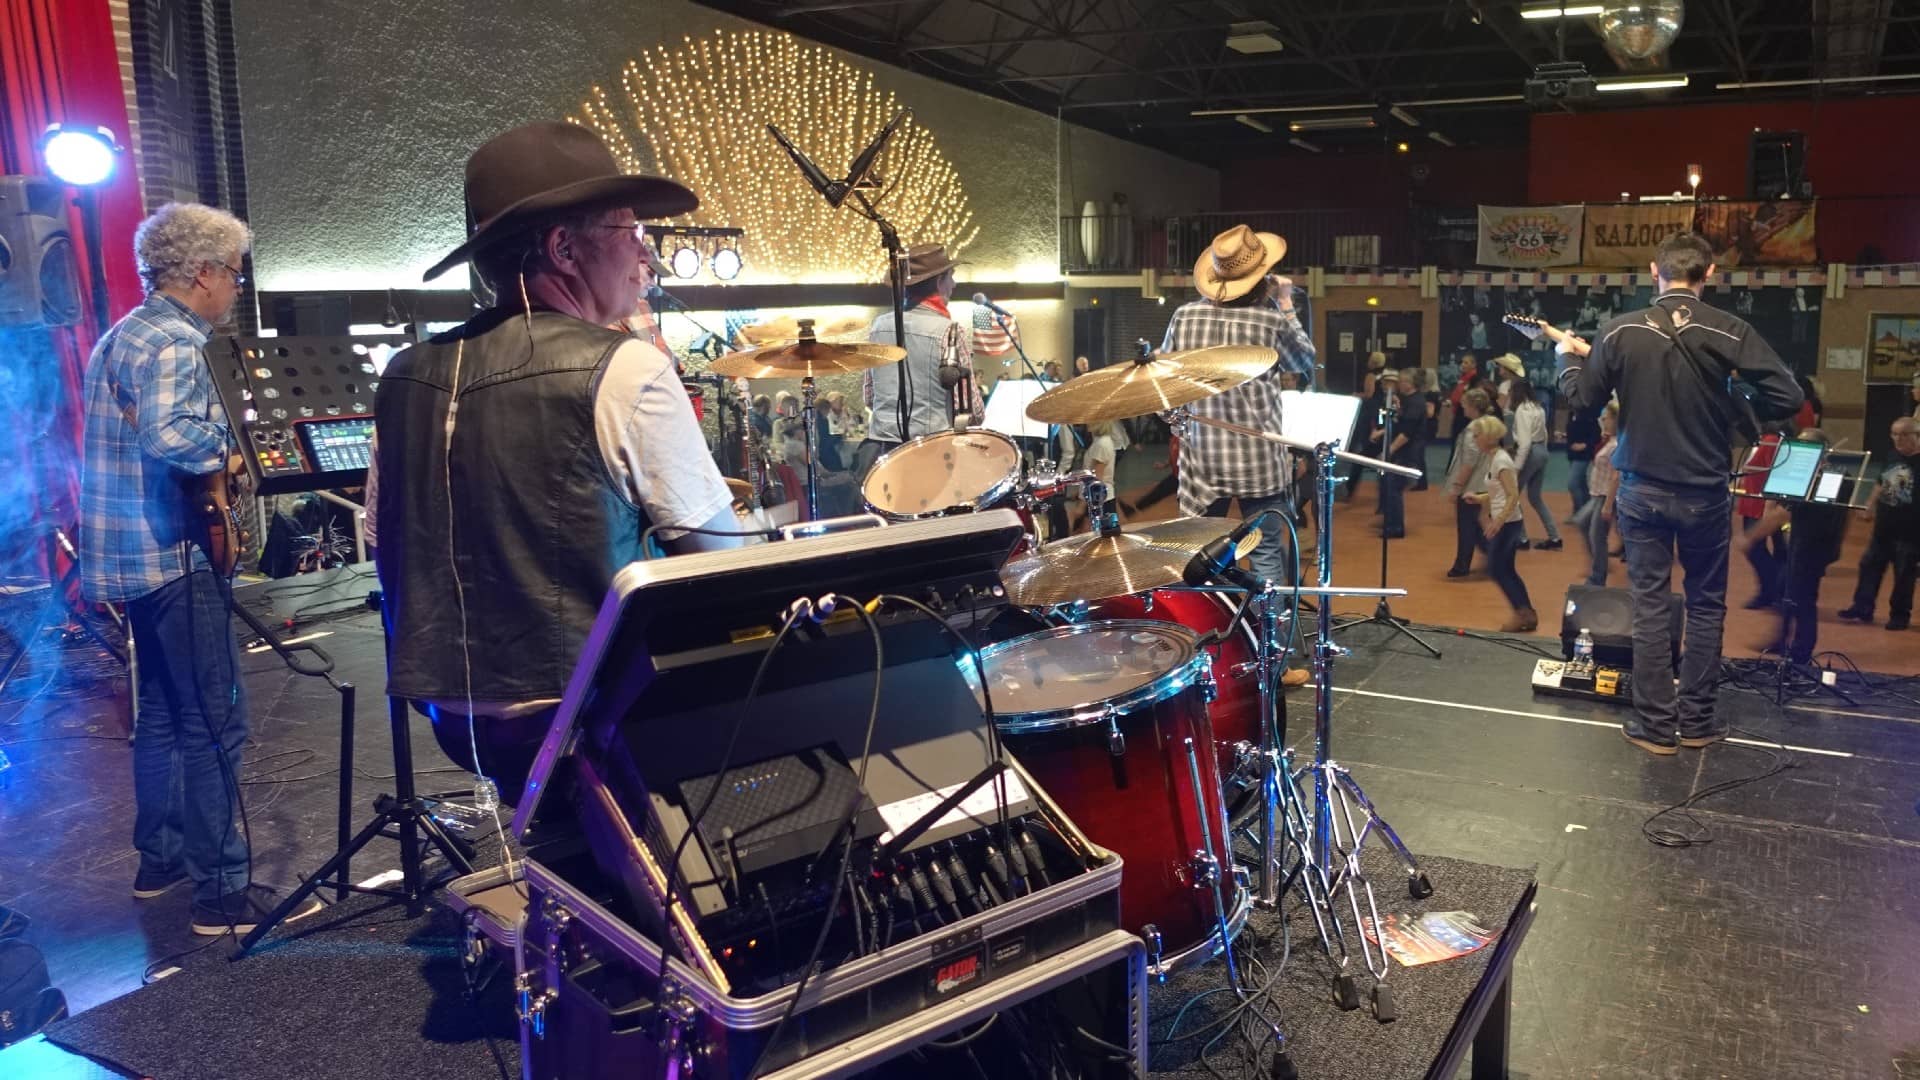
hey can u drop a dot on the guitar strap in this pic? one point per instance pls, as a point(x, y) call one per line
point(1714, 385)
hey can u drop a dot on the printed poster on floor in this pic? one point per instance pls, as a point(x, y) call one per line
point(1528, 237)
point(1777, 232)
point(1627, 235)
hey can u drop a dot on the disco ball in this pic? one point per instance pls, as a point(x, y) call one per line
point(1642, 30)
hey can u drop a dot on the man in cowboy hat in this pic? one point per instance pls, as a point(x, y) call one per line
point(914, 386)
point(523, 454)
point(1241, 304)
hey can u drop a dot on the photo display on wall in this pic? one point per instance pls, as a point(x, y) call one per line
point(1893, 348)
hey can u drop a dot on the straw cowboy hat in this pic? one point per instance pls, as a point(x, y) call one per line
point(1235, 262)
point(1511, 364)
point(537, 172)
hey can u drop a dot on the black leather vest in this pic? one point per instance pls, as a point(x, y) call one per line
point(533, 521)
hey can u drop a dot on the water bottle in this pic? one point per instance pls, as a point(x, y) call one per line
point(1583, 648)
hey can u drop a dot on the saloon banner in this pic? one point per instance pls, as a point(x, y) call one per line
point(1772, 233)
point(1627, 235)
point(1529, 236)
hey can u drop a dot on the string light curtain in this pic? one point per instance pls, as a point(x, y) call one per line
point(699, 112)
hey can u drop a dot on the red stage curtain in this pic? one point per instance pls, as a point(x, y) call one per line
point(58, 63)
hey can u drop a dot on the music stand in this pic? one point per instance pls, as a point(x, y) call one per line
point(1805, 472)
point(1330, 418)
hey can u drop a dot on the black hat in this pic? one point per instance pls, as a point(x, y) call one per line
point(539, 171)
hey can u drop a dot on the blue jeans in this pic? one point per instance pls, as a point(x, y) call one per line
point(1500, 549)
point(1533, 473)
point(1269, 559)
point(1657, 520)
point(193, 714)
point(1577, 482)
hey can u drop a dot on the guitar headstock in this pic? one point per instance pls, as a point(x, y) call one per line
point(1531, 327)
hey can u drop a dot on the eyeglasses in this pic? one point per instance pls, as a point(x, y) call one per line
point(638, 229)
point(238, 277)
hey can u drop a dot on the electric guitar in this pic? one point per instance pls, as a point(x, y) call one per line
point(214, 502)
point(1534, 328)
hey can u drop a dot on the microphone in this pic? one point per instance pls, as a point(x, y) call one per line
point(980, 299)
point(1214, 562)
point(835, 193)
point(950, 372)
point(864, 163)
point(662, 300)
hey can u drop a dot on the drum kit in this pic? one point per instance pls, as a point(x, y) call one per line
point(1137, 673)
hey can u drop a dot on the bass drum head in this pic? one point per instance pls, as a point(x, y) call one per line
point(953, 471)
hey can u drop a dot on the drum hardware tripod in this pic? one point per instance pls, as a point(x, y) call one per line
point(1328, 834)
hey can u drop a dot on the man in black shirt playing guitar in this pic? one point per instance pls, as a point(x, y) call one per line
point(1677, 366)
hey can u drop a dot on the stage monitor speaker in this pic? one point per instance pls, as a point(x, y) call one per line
point(39, 281)
point(1608, 615)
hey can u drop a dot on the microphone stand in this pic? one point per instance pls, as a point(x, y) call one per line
point(1383, 612)
point(1027, 362)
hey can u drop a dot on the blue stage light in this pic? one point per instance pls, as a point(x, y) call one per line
point(79, 156)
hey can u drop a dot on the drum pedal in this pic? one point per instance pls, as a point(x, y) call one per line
point(1346, 995)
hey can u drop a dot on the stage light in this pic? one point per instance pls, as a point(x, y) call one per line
point(685, 262)
point(79, 156)
point(1402, 147)
point(726, 263)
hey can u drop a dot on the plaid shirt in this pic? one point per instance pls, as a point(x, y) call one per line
point(133, 504)
point(1216, 464)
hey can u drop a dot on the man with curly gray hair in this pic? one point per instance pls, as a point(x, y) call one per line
point(154, 430)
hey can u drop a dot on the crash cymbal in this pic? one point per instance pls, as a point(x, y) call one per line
point(806, 357)
point(1136, 387)
point(1092, 567)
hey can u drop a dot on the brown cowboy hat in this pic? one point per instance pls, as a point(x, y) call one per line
point(1235, 262)
point(539, 171)
point(926, 261)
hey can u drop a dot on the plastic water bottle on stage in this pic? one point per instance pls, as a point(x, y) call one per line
point(1583, 649)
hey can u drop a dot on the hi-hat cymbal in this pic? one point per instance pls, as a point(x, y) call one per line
point(1135, 388)
point(806, 357)
point(1092, 567)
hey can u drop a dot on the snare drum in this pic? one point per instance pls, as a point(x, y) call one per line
point(944, 473)
point(1111, 718)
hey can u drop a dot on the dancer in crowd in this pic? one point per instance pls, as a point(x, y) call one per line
point(1464, 478)
point(1595, 518)
point(1896, 533)
point(1500, 526)
point(1528, 422)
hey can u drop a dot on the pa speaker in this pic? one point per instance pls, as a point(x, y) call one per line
point(1607, 614)
point(39, 282)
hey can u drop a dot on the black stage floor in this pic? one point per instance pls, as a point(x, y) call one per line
point(1781, 947)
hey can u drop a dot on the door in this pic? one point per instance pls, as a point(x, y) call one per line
point(1353, 335)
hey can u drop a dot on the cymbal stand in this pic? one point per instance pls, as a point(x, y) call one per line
point(1334, 846)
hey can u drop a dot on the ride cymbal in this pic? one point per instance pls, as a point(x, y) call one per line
point(1156, 384)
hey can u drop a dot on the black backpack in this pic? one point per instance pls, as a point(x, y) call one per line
point(28, 1001)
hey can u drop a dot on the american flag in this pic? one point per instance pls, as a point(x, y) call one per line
point(988, 338)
